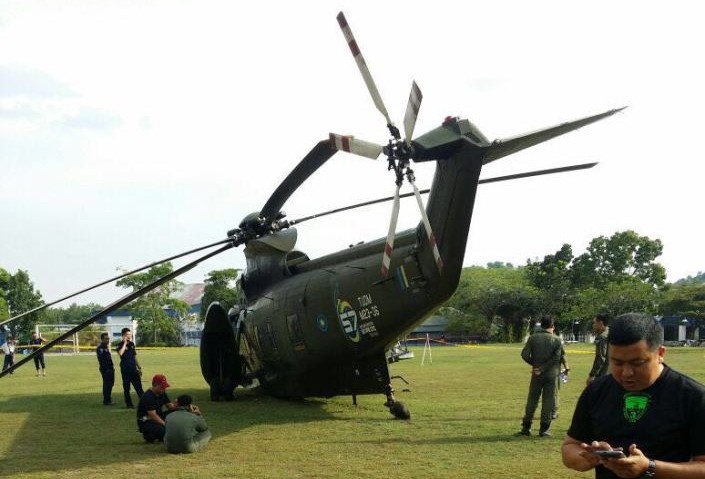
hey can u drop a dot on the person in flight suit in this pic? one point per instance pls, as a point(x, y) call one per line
point(600, 366)
point(543, 353)
point(186, 430)
point(129, 367)
point(107, 370)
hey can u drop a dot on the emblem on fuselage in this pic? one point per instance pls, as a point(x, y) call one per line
point(348, 320)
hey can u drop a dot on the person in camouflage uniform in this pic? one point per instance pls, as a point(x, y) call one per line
point(543, 353)
point(600, 365)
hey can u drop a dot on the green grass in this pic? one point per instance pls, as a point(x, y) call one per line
point(465, 405)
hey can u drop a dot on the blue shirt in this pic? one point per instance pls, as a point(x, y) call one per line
point(128, 359)
point(105, 361)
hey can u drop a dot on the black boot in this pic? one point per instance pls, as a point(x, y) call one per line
point(525, 429)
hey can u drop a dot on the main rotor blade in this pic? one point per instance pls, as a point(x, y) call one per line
point(529, 174)
point(412, 111)
point(117, 304)
point(115, 278)
point(362, 65)
point(427, 227)
point(517, 176)
point(355, 146)
point(306, 167)
point(389, 246)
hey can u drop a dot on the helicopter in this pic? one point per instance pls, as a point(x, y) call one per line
point(322, 327)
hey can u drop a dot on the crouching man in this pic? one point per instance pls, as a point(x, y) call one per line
point(152, 409)
point(186, 430)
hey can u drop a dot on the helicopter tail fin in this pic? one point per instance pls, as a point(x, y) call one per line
point(503, 147)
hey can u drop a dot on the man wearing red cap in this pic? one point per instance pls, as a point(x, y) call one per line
point(152, 409)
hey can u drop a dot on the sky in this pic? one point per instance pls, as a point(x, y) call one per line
point(133, 130)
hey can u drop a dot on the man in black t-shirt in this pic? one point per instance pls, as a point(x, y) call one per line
point(129, 367)
point(152, 409)
point(654, 414)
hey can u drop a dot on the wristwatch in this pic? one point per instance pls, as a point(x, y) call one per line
point(651, 470)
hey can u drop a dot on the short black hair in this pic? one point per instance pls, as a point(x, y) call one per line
point(630, 328)
point(124, 330)
point(604, 318)
point(547, 322)
point(184, 400)
point(104, 335)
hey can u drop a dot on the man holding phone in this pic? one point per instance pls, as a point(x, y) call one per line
point(130, 369)
point(655, 415)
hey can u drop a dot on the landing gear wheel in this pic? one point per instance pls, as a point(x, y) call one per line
point(399, 410)
point(396, 408)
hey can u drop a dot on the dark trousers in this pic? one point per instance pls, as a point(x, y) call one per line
point(151, 431)
point(544, 387)
point(9, 361)
point(108, 382)
point(131, 376)
point(39, 361)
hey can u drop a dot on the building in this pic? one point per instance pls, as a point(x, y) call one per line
point(191, 325)
point(682, 329)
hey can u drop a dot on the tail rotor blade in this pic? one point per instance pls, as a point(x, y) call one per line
point(427, 226)
point(412, 111)
point(389, 246)
point(360, 60)
point(355, 146)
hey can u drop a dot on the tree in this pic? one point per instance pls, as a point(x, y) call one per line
point(698, 278)
point(552, 278)
point(220, 286)
point(684, 299)
point(615, 299)
point(21, 297)
point(74, 314)
point(4, 285)
point(156, 326)
point(502, 296)
point(623, 255)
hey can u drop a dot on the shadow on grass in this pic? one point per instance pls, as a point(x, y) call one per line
point(71, 431)
point(500, 438)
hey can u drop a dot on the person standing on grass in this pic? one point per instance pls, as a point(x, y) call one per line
point(8, 347)
point(600, 366)
point(130, 369)
point(652, 413)
point(36, 343)
point(543, 353)
point(106, 368)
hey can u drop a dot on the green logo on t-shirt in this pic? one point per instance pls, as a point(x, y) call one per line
point(635, 405)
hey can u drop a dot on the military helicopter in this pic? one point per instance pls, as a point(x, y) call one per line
point(321, 327)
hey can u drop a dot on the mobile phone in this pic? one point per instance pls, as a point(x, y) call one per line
point(614, 453)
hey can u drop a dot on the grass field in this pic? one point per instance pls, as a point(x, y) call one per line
point(466, 406)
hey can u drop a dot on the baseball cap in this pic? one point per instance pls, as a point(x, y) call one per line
point(160, 380)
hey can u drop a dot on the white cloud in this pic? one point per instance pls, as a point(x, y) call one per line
point(205, 106)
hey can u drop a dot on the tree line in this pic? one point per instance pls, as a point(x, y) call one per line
point(616, 274)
